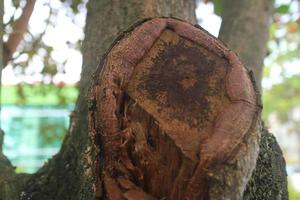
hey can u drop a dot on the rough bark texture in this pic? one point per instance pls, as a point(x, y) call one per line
point(73, 171)
point(174, 112)
point(245, 30)
point(269, 179)
point(70, 174)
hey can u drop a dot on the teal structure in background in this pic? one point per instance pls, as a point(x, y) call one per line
point(33, 134)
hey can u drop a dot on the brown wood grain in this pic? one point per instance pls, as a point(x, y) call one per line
point(172, 104)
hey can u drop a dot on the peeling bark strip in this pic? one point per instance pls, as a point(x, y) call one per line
point(172, 107)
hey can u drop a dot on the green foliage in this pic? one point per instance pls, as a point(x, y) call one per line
point(283, 9)
point(283, 47)
point(284, 44)
point(293, 194)
point(16, 3)
point(218, 7)
point(75, 4)
point(39, 95)
point(282, 98)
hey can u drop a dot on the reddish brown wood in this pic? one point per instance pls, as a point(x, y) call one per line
point(172, 104)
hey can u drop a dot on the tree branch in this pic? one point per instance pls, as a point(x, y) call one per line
point(19, 28)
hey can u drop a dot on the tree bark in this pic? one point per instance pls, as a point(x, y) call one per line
point(19, 28)
point(71, 173)
point(174, 112)
point(245, 30)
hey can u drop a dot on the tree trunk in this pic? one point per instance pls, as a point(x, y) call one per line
point(174, 112)
point(70, 174)
point(73, 172)
point(245, 30)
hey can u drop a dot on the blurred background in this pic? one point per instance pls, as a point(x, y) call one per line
point(39, 86)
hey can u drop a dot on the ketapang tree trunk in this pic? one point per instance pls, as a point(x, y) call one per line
point(71, 173)
point(245, 28)
point(174, 115)
point(182, 94)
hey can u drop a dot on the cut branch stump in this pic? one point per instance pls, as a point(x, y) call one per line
point(173, 115)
